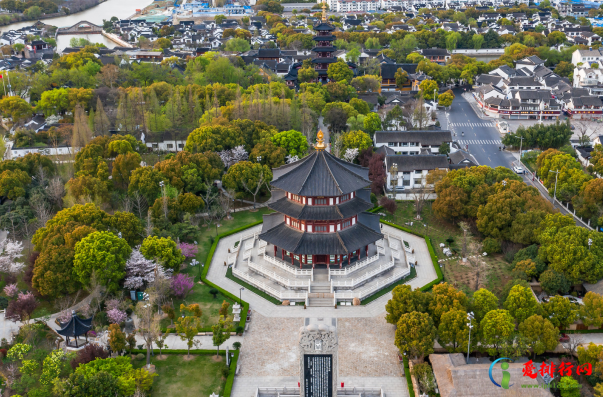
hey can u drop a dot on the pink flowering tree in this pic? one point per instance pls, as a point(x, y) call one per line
point(188, 250)
point(21, 308)
point(116, 316)
point(181, 285)
point(11, 290)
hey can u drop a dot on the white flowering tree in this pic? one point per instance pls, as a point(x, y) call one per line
point(233, 156)
point(11, 251)
point(350, 154)
point(141, 271)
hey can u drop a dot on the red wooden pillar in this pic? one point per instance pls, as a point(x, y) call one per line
point(292, 263)
point(349, 255)
point(275, 251)
point(367, 251)
point(282, 254)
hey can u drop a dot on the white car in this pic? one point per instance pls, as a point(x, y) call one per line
point(518, 170)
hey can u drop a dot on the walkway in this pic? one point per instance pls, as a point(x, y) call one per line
point(217, 275)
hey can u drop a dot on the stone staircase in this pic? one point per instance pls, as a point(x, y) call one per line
point(321, 294)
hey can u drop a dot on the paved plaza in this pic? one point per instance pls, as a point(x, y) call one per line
point(269, 356)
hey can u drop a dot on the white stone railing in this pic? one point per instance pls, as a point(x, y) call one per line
point(393, 244)
point(232, 258)
point(288, 268)
point(357, 266)
point(407, 247)
point(412, 261)
point(357, 281)
point(381, 250)
point(247, 254)
point(366, 292)
point(278, 278)
point(261, 250)
point(281, 295)
point(396, 254)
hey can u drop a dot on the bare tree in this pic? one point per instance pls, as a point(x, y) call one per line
point(42, 211)
point(571, 345)
point(256, 185)
point(56, 191)
point(148, 323)
point(586, 131)
point(139, 204)
point(466, 236)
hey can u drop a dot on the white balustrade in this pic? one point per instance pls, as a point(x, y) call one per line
point(278, 278)
point(393, 244)
point(288, 268)
point(357, 266)
point(356, 281)
point(396, 254)
point(282, 295)
point(247, 254)
point(368, 291)
point(261, 250)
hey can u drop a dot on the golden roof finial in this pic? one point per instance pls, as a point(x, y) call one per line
point(324, 10)
point(320, 145)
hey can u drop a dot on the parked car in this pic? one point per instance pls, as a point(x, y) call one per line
point(518, 170)
point(564, 338)
point(573, 299)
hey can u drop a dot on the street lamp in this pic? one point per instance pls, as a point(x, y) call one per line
point(555, 193)
point(520, 145)
point(470, 317)
point(240, 295)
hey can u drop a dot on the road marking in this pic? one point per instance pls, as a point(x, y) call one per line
point(471, 125)
point(480, 142)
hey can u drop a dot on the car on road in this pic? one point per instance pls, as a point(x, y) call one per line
point(518, 170)
point(564, 338)
point(573, 299)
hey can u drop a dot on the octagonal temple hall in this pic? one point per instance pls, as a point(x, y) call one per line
point(321, 216)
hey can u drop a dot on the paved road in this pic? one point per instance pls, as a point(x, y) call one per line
point(483, 140)
point(481, 136)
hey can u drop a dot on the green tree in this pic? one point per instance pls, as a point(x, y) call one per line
point(163, 250)
point(123, 166)
point(14, 183)
point(573, 251)
point(591, 310)
point(496, 329)
point(541, 335)
point(16, 108)
point(355, 140)
point(145, 180)
point(101, 384)
point(372, 123)
point(237, 45)
point(415, 334)
point(104, 255)
point(445, 99)
point(307, 74)
point(340, 71)
point(482, 302)
point(248, 178)
point(220, 333)
point(564, 69)
point(478, 41)
point(361, 106)
point(188, 326)
point(569, 387)
point(428, 88)
point(401, 77)
point(521, 303)
point(553, 282)
point(405, 300)
point(453, 331)
point(294, 142)
point(117, 338)
point(560, 311)
point(445, 298)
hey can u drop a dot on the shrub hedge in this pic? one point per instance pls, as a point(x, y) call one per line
point(411, 390)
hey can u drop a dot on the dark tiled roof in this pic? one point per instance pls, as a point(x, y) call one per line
point(430, 137)
point(321, 212)
point(320, 174)
point(435, 52)
point(365, 231)
point(418, 162)
point(388, 71)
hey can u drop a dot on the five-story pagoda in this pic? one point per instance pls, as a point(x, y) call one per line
point(324, 48)
point(321, 218)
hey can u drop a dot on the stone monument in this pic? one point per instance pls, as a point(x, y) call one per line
point(318, 360)
point(236, 311)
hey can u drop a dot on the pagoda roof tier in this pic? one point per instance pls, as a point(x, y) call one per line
point(76, 326)
point(324, 38)
point(325, 49)
point(320, 174)
point(366, 231)
point(324, 27)
point(324, 60)
point(321, 212)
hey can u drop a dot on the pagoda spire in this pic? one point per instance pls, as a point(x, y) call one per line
point(320, 145)
point(324, 10)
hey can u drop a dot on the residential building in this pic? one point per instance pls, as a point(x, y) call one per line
point(413, 142)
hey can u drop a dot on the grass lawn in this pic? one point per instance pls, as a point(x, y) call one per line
point(495, 273)
point(200, 376)
point(200, 293)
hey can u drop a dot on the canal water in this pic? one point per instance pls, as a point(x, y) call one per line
point(111, 8)
point(64, 39)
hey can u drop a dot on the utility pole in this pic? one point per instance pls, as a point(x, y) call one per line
point(470, 317)
point(555, 193)
point(520, 144)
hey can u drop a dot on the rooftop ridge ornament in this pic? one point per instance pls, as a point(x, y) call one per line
point(320, 145)
point(324, 10)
